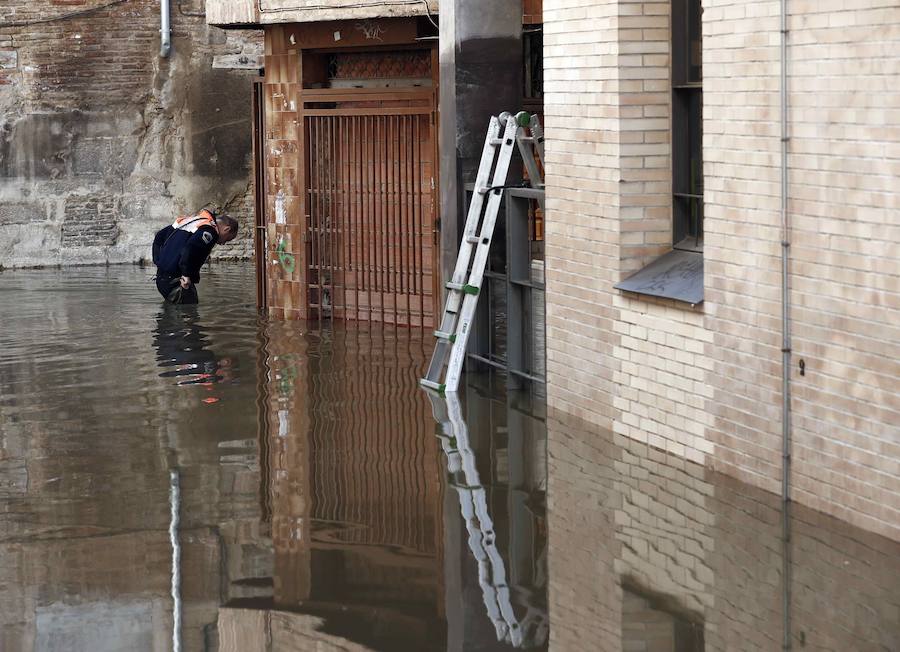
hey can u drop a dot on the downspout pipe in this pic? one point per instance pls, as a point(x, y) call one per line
point(785, 346)
point(165, 28)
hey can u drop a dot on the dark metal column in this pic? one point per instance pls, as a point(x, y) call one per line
point(481, 75)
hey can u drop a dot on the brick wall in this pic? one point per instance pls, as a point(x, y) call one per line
point(580, 104)
point(844, 156)
point(90, 110)
point(705, 383)
point(628, 364)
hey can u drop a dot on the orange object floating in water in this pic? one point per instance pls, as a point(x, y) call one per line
point(211, 399)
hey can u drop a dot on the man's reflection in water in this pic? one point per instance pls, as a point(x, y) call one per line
point(180, 342)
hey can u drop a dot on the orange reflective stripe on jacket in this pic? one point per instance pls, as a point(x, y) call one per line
point(191, 223)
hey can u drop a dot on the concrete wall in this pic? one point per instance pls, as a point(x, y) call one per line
point(704, 383)
point(102, 141)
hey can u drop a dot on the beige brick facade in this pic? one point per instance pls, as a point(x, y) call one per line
point(705, 383)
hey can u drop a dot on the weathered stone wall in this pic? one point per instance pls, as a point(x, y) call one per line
point(705, 382)
point(102, 141)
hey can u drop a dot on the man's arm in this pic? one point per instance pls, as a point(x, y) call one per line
point(161, 236)
point(196, 251)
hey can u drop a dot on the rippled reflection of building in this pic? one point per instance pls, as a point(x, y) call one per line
point(352, 488)
point(674, 557)
point(92, 427)
point(370, 547)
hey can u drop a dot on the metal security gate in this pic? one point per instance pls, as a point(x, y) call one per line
point(370, 206)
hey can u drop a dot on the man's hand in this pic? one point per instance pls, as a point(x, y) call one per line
point(185, 282)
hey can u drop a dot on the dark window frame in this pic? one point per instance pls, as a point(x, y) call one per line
point(533, 60)
point(687, 125)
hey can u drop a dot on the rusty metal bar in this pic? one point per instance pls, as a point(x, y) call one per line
point(411, 212)
point(334, 231)
point(328, 222)
point(370, 216)
point(371, 112)
point(345, 211)
point(368, 94)
point(394, 287)
point(402, 148)
point(311, 262)
point(379, 213)
point(421, 226)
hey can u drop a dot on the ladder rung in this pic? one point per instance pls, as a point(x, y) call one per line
point(472, 239)
point(442, 335)
point(430, 384)
point(496, 141)
point(466, 289)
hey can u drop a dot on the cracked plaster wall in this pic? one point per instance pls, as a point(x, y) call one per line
point(102, 142)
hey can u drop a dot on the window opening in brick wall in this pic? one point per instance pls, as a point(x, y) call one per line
point(678, 274)
point(687, 125)
point(533, 43)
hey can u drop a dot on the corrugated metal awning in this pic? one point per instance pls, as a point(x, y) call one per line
point(676, 275)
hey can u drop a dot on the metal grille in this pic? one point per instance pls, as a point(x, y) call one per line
point(370, 216)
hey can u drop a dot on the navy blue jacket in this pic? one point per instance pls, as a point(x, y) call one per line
point(181, 253)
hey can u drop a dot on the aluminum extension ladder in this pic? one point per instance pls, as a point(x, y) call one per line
point(495, 588)
point(505, 133)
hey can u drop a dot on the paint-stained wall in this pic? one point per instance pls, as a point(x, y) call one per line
point(102, 141)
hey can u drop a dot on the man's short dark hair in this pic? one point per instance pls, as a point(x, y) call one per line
point(227, 220)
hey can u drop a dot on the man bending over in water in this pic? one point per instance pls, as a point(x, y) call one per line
point(180, 249)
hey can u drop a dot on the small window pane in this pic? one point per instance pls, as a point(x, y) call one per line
point(689, 223)
point(695, 143)
point(687, 124)
point(533, 41)
point(687, 140)
point(695, 51)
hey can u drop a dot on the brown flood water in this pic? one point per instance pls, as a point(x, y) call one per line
point(310, 500)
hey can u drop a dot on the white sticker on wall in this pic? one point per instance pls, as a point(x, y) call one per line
point(280, 216)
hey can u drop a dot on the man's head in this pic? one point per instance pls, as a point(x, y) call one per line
point(228, 228)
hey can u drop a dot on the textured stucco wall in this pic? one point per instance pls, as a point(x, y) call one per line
point(102, 141)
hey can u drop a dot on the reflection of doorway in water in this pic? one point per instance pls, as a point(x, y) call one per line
point(181, 343)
